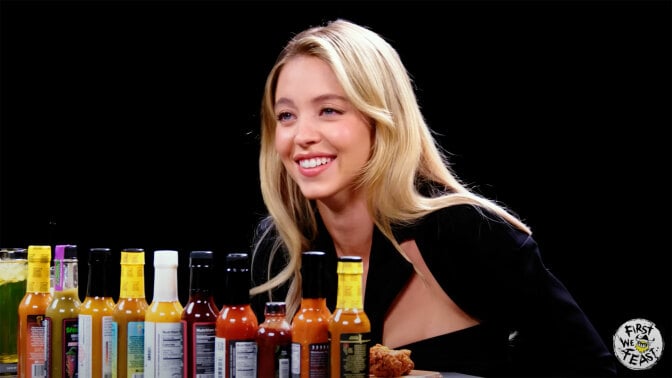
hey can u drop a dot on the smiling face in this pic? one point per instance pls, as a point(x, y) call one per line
point(322, 139)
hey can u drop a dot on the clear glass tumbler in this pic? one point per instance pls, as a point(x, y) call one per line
point(13, 274)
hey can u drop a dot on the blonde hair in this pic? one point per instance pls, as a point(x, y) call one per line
point(376, 82)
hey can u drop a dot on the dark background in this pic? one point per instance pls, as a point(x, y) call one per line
point(135, 124)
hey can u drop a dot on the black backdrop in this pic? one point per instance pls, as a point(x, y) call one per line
point(135, 124)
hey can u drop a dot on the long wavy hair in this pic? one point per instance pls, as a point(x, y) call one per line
point(377, 83)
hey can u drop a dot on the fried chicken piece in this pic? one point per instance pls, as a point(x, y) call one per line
point(386, 362)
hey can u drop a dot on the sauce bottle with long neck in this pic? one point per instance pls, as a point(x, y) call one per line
point(95, 319)
point(164, 329)
point(200, 315)
point(237, 324)
point(32, 349)
point(310, 324)
point(63, 314)
point(129, 315)
point(349, 326)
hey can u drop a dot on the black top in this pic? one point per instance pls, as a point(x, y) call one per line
point(529, 322)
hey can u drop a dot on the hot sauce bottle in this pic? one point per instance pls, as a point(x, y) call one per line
point(62, 314)
point(200, 315)
point(164, 329)
point(236, 328)
point(95, 319)
point(274, 342)
point(310, 325)
point(129, 315)
point(349, 326)
point(32, 349)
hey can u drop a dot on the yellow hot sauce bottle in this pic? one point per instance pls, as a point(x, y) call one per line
point(129, 315)
point(349, 326)
point(32, 349)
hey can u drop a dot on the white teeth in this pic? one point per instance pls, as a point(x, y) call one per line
point(314, 162)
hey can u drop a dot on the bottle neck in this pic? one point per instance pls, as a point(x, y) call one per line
point(200, 281)
point(65, 274)
point(349, 295)
point(38, 277)
point(237, 288)
point(312, 285)
point(132, 281)
point(97, 283)
point(165, 284)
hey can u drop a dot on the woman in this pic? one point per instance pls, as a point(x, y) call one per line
point(349, 166)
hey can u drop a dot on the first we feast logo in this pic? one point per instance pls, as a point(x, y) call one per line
point(638, 344)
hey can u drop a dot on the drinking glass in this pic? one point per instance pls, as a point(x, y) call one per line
point(13, 273)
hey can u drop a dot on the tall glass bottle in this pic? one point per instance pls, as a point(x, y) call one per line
point(62, 315)
point(164, 329)
point(235, 341)
point(310, 325)
point(32, 344)
point(349, 326)
point(129, 315)
point(200, 315)
point(274, 342)
point(95, 319)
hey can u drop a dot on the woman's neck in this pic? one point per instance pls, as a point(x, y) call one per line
point(350, 227)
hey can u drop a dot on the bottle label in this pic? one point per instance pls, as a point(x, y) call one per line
point(282, 358)
point(70, 347)
point(85, 352)
point(235, 358)
point(135, 349)
point(110, 349)
point(318, 360)
point(354, 354)
point(36, 353)
point(203, 349)
point(164, 349)
point(58, 275)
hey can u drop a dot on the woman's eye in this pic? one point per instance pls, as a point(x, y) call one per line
point(330, 111)
point(284, 116)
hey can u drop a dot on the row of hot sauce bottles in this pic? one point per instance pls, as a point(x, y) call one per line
point(59, 336)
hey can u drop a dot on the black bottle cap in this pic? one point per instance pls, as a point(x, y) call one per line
point(312, 274)
point(237, 261)
point(275, 308)
point(133, 250)
point(98, 271)
point(70, 251)
point(197, 258)
point(99, 255)
point(237, 279)
point(353, 259)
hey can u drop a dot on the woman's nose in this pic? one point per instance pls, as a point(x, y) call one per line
point(307, 133)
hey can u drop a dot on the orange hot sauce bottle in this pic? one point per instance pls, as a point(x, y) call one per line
point(32, 349)
point(349, 326)
point(129, 314)
point(310, 325)
point(95, 319)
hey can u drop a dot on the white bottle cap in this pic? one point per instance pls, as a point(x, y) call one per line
point(165, 259)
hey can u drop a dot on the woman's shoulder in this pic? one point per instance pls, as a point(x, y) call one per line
point(473, 227)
